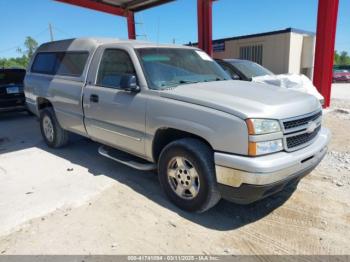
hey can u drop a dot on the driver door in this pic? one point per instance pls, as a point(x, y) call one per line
point(114, 116)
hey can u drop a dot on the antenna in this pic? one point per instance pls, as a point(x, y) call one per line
point(51, 32)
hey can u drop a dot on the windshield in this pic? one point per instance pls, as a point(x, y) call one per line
point(170, 67)
point(251, 69)
point(12, 76)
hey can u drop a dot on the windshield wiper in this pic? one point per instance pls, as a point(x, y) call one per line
point(215, 79)
point(180, 82)
point(187, 82)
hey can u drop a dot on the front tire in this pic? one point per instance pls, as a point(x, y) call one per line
point(187, 175)
point(54, 135)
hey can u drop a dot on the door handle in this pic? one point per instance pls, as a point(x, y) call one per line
point(94, 98)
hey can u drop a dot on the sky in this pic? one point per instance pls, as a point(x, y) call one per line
point(175, 21)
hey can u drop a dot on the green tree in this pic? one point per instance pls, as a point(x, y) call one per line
point(30, 45)
point(341, 59)
point(14, 62)
point(336, 57)
point(344, 59)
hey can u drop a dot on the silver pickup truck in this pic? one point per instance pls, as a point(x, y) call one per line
point(173, 109)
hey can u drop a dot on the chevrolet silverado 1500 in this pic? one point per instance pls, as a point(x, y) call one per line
point(173, 109)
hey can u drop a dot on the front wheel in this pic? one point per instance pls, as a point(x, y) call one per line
point(54, 135)
point(187, 175)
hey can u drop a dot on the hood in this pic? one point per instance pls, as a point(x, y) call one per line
point(246, 99)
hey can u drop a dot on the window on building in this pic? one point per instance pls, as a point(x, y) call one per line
point(253, 53)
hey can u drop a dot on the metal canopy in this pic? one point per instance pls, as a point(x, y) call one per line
point(136, 5)
point(325, 37)
point(121, 5)
point(125, 8)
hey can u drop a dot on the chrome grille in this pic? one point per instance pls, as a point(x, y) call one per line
point(298, 140)
point(300, 131)
point(291, 124)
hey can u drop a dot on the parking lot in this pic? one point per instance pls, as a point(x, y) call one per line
point(74, 201)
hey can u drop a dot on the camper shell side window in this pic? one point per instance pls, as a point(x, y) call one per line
point(71, 63)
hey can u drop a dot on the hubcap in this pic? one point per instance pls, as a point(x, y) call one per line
point(183, 178)
point(48, 128)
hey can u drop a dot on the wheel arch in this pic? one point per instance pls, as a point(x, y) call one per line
point(166, 135)
point(42, 103)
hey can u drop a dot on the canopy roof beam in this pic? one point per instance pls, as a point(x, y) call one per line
point(98, 6)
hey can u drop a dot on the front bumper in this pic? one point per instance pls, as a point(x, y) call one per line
point(245, 179)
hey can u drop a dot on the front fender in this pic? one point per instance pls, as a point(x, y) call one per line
point(223, 131)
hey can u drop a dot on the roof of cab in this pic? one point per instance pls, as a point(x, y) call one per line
point(88, 44)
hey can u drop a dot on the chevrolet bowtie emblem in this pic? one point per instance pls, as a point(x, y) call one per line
point(311, 127)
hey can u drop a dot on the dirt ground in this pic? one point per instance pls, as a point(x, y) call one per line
point(128, 214)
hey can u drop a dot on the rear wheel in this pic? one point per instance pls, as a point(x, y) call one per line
point(54, 135)
point(187, 175)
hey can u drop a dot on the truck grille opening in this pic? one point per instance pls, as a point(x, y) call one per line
point(301, 121)
point(298, 140)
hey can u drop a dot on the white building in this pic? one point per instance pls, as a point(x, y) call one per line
point(284, 51)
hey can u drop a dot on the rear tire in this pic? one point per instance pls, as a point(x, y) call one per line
point(54, 135)
point(186, 173)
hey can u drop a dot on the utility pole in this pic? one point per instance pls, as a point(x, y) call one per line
point(51, 32)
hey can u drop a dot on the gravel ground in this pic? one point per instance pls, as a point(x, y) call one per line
point(123, 211)
point(337, 162)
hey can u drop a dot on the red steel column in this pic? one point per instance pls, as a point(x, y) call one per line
point(325, 43)
point(205, 35)
point(131, 25)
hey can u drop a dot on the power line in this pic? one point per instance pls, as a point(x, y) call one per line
point(42, 32)
point(45, 31)
point(18, 46)
point(61, 31)
point(9, 49)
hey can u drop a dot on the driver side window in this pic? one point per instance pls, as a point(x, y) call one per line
point(114, 65)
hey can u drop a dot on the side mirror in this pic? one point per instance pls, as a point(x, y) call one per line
point(129, 83)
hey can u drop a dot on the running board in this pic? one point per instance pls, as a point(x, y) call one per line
point(126, 159)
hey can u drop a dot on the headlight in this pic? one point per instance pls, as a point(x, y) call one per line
point(262, 126)
point(266, 147)
point(259, 128)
